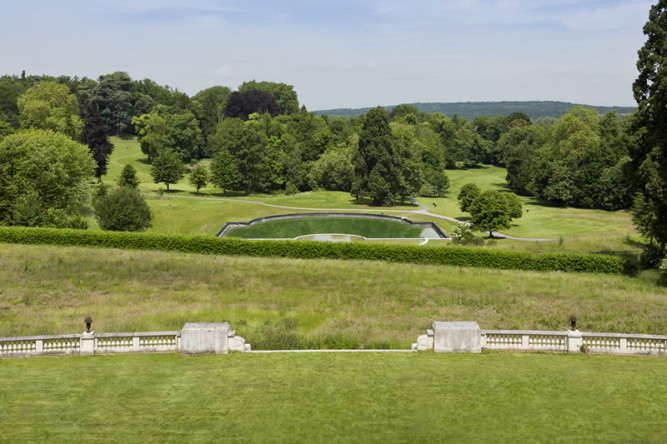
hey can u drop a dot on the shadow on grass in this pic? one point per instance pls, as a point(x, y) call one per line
point(227, 194)
point(634, 243)
point(504, 187)
point(545, 203)
point(466, 167)
point(369, 203)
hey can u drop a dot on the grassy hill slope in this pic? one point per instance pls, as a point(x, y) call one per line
point(290, 303)
point(183, 212)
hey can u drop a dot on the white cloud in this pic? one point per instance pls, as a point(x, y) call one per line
point(223, 71)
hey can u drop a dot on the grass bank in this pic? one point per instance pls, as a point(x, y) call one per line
point(493, 397)
point(292, 303)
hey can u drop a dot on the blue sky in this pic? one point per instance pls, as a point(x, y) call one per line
point(342, 53)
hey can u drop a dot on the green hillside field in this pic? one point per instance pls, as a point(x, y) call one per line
point(297, 303)
point(182, 211)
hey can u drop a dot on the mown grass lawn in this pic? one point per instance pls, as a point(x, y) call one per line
point(575, 229)
point(326, 397)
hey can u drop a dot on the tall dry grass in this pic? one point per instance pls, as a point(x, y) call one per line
point(312, 303)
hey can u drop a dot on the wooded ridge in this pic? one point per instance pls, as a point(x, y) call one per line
point(470, 110)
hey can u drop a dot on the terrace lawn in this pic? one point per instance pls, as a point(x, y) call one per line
point(291, 228)
point(327, 397)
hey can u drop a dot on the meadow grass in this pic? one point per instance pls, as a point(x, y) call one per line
point(374, 397)
point(305, 303)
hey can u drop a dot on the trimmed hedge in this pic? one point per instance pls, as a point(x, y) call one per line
point(453, 255)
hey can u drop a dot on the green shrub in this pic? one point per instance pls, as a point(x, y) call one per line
point(454, 255)
point(463, 235)
point(122, 209)
point(57, 218)
point(128, 177)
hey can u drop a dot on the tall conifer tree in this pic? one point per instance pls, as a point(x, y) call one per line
point(649, 127)
point(375, 173)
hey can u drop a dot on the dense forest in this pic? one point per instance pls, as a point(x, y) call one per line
point(535, 109)
point(261, 140)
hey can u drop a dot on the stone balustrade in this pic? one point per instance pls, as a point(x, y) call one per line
point(533, 340)
point(223, 340)
point(461, 337)
point(572, 341)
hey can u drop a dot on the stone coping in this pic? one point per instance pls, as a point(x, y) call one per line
point(525, 332)
point(139, 334)
point(96, 335)
point(565, 333)
point(431, 225)
point(623, 335)
point(33, 338)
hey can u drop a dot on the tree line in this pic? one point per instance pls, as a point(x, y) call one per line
point(470, 110)
point(262, 140)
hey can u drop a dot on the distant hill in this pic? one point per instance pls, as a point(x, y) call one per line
point(470, 110)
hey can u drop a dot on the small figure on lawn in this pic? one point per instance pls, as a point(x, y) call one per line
point(434, 204)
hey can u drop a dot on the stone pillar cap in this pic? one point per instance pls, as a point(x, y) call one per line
point(455, 325)
point(206, 325)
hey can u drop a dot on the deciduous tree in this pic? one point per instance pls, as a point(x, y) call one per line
point(242, 104)
point(224, 173)
point(284, 94)
point(469, 192)
point(50, 105)
point(167, 168)
point(210, 104)
point(490, 212)
point(46, 168)
point(513, 205)
point(199, 177)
